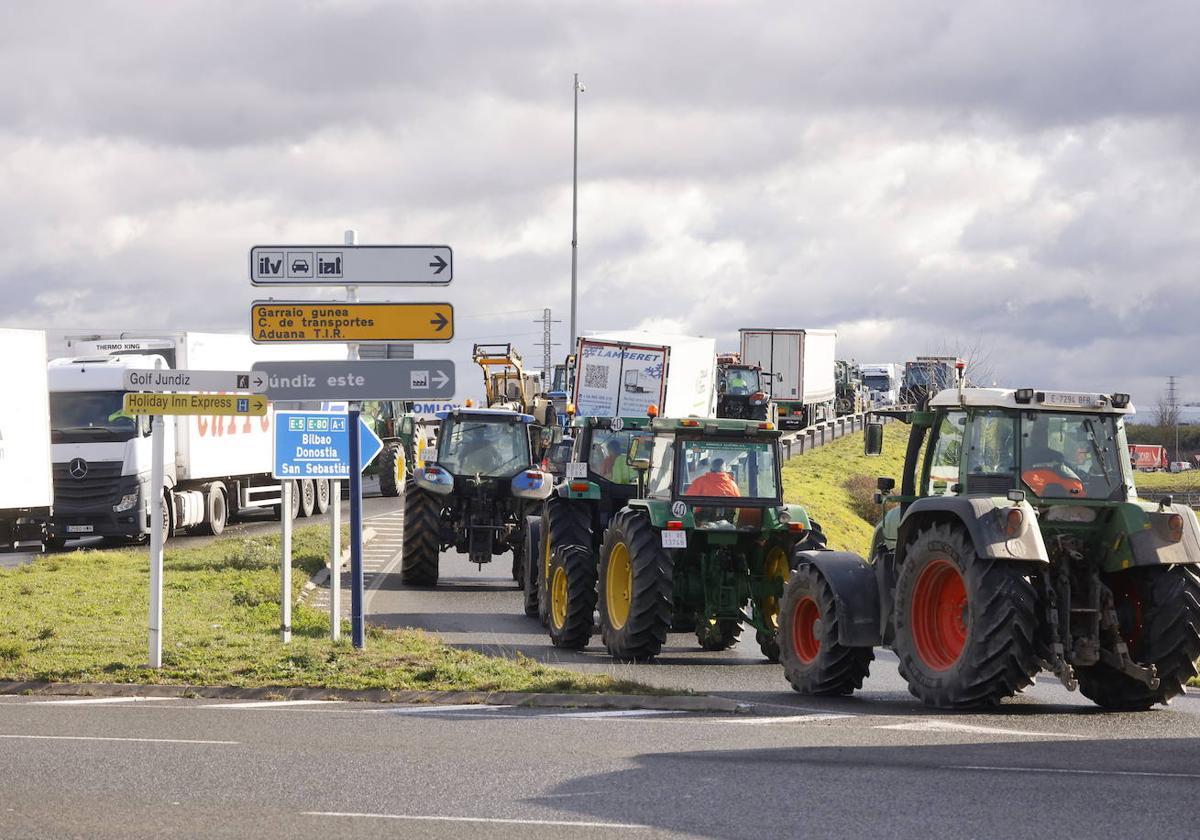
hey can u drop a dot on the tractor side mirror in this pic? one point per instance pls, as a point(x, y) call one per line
point(884, 484)
point(873, 439)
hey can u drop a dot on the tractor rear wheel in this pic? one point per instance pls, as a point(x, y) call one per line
point(965, 625)
point(422, 527)
point(1159, 612)
point(533, 548)
point(718, 633)
point(636, 588)
point(391, 469)
point(563, 523)
point(572, 596)
point(814, 661)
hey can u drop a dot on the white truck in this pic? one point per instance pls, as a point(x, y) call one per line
point(883, 381)
point(26, 492)
point(622, 374)
point(799, 366)
point(214, 466)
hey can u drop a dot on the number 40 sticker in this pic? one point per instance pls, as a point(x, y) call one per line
point(674, 539)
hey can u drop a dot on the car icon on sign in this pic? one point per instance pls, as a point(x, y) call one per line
point(300, 266)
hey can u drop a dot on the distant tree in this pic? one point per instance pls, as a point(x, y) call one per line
point(1166, 413)
point(980, 367)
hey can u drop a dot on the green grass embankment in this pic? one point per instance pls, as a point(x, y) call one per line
point(81, 617)
point(1165, 482)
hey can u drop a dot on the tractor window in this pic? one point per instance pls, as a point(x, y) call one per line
point(720, 468)
point(946, 457)
point(1071, 456)
point(607, 455)
point(992, 452)
point(474, 447)
point(662, 463)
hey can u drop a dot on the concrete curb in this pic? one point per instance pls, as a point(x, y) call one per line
point(680, 703)
point(322, 576)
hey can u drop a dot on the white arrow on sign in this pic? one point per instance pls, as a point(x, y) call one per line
point(162, 380)
point(440, 378)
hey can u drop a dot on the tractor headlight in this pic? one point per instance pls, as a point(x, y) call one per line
point(128, 501)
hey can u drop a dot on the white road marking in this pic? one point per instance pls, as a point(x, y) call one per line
point(1071, 771)
point(129, 740)
point(426, 710)
point(267, 704)
point(612, 713)
point(934, 725)
point(764, 721)
point(97, 701)
point(491, 820)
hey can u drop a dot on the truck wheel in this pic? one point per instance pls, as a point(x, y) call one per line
point(533, 547)
point(718, 634)
point(572, 596)
point(391, 469)
point(321, 505)
point(308, 497)
point(814, 662)
point(422, 527)
point(563, 523)
point(1159, 611)
point(218, 513)
point(965, 626)
point(636, 588)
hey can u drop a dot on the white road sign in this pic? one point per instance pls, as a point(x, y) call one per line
point(351, 265)
point(198, 381)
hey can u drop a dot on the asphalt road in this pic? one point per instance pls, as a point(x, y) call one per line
point(116, 767)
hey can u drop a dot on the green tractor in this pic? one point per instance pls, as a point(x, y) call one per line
point(1017, 543)
point(708, 545)
point(395, 424)
point(598, 480)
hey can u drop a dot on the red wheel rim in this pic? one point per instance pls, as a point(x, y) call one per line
point(1128, 602)
point(804, 627)
point(939, 615)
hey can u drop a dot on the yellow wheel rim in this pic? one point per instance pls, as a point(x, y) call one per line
point(776, 568)
point(558, 597)
point(618, 586)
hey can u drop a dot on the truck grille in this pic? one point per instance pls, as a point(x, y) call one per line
point(99, 485)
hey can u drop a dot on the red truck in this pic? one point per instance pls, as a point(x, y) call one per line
point(1146, 456)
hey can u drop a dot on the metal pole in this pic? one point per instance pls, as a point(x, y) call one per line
point(574, 219)
point(356, 566)
point(155, 500)
point(335, 562)
point(285, 563)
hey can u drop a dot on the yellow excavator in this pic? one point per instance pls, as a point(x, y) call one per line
point(509, 386)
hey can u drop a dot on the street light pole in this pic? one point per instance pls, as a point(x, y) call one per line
point(574, 217)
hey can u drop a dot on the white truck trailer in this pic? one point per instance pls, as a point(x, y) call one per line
point(801, 371)
point(26, 491)
point(883, 381)
point(214, 466)
point(622, 374)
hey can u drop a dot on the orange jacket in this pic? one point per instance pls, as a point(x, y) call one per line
point(713, 484)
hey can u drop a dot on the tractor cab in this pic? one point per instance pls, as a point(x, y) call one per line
point(742, 392)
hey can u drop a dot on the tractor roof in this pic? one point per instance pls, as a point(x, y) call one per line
point(485, 414)
point(635, 422)
point(711, 425)
point(1032, 399)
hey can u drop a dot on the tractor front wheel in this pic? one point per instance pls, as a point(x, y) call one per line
point(422, 527)
point(636, 588)
point(965, 625)
point(563, 523)
point(572, 596)
point(814, 661)
point(533, 548)
point(1159, 612)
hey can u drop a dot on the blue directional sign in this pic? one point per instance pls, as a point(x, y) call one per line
point(315, 444)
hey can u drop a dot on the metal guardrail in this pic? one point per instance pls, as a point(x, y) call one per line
point(808, 439)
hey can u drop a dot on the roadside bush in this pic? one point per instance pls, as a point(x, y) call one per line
point(861, 489)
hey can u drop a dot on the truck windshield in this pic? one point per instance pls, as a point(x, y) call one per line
point(80, 416)
point(877, 382)
point(1071, 456)
point(743, 469)
point(740, 381)
point(471, 446)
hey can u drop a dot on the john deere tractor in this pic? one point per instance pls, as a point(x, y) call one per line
point(1017, 543)
point(475, 495)
point(598, 481)
point(396, 426)
point(708, 545)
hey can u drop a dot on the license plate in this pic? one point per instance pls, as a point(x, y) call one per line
point(577, 469)
point(674, 539)
point(80, 529)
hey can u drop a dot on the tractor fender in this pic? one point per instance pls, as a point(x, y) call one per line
point(984, 520)
point(855, 594)
point(1151, 545)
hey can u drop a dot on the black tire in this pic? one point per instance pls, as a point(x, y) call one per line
point(718, 634)
point(422, 527)
point(1165, 601)
point(218, 510)
point(54, 543)
point(572, 596)
point(814, 662)
point(518, 561)
point(321, 504)
point(391, 469)
point(533, 547)
point(647, 591)
point(308, 497)
point(996, 654)
point(564, 522)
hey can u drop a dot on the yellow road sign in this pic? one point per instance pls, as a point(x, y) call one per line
point(360, 323)
point(241, 404)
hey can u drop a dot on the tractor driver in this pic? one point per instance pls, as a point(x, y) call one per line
point(616, 466)
point(715, 482)
point(738, 386)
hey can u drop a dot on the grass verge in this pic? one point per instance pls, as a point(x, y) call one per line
point(81, 617)
point(1159, 482)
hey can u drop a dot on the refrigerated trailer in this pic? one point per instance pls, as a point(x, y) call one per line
point(622, 374)
point(214, 466)
point(799, 366)
point(26, 492)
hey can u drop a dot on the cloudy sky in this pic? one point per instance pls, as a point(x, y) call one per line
point(1020, 177)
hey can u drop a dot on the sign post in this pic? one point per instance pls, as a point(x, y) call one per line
point(357, 629)
point(335, 558)
point(285, 565)
point(157, 537)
